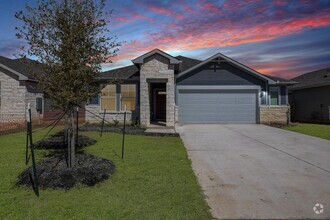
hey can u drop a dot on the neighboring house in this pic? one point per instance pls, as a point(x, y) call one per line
point(160, 88)
point(310, 97)
point(17, 88)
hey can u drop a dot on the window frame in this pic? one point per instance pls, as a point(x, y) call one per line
point(42, 105)
point(278, 96)
point(115, 97)
point(121, 97)
point(118, 97)
point(98, 100)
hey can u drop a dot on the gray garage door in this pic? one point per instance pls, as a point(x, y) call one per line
point(221, 106)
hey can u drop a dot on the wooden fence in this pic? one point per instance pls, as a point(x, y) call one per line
point(10, 123)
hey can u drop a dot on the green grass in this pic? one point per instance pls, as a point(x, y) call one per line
point(316, 130)
point(154, 181)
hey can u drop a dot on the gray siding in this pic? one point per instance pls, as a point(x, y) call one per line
point(223, 74)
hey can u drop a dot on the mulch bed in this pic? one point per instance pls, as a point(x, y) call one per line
point(132, 130)
point(54, 173)
point(112, 128)
point(57, 142)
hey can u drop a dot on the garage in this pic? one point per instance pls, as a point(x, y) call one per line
point(217, 106)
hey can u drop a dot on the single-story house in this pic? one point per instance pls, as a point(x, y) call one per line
point(310, 97)
point(160, 88)
point(17, 88)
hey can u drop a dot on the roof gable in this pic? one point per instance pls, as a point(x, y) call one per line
point(140, 59)
point(218, 58)
point(6, 63)
point(22, 68)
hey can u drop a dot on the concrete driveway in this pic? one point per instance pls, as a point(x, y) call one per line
point(257, 171)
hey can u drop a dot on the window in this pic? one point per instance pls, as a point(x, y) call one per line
point(274, 93)
point(39, 105)
point(94, 100)
point(128, 97)
point(108, 98)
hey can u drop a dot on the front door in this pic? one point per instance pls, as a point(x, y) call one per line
point(160, 104)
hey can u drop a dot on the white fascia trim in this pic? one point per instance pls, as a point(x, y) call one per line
point(140, 59)
point(20, 76)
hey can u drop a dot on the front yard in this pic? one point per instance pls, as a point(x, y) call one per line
point(316, 130)
point(154, 181)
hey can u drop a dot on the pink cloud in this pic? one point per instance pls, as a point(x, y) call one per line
point(122, 19)
point(280, 2)
point(179, 16)
point(160, 10)
point(208, 7)
point(190, 38)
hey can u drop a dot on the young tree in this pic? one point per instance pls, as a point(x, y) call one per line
point(71, 40)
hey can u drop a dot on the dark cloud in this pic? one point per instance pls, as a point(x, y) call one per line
point(286, 56)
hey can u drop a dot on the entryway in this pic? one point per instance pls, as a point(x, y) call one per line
point(158, 103)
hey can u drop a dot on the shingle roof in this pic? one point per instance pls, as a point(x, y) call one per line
point(312, 79)
point(120, 73)
point(128, 71)
point(24, 66)
point(187, 62)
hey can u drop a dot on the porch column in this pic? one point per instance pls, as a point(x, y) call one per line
point(170, 100)
point(144, 101)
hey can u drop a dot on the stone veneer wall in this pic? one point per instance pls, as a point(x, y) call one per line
point(110, 116)
point(274, 114)
point(15, 98)
point(156, 67)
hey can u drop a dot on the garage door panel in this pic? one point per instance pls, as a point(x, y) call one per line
point(201, 109)
point(245, 110)
point(206, 106)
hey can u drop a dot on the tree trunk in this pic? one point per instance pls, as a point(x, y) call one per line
point(66, 127)
point(71, 139)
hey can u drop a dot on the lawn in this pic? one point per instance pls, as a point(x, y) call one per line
point(317, 130)
point(154, 181)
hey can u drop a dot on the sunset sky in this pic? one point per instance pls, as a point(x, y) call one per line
point(277, 37)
